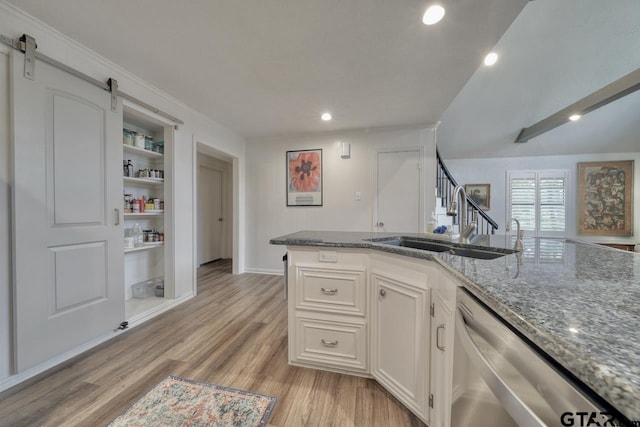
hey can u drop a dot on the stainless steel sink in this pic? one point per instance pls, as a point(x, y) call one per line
point(439, 246)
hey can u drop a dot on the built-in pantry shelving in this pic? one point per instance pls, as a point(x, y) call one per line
point(146, 148)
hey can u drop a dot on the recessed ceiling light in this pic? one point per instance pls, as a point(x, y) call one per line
point(433, 15)
point(326, 117)
point(575, 117)
point(490, 59)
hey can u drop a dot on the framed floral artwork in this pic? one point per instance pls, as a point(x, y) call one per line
point(479, 193)
point(304, 178)
point(606, 198)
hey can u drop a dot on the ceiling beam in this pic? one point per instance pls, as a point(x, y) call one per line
point(616, 90)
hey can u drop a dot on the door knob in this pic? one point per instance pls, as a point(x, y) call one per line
point(219, 219)
point(380, 224)
point(383, 292)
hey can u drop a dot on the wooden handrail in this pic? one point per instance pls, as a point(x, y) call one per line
point(471, 204)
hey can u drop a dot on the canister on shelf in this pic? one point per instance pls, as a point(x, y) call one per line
point(156, 204)
point(127, 137)
point(148, 143)
point(139, 140)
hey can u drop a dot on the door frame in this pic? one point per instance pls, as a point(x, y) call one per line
point(421, 182)
point(224, 196)
point(199, 146)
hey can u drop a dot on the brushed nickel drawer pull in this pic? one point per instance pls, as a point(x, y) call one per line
point(329, 291)
point(329, 343)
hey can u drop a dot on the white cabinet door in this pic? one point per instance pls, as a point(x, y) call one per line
point(442, 335)
point(400, 340)
point(68, 246)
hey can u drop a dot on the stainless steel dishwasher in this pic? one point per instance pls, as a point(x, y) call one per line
point(499, 380)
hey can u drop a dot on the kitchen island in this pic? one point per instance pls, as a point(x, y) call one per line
point(577, 302)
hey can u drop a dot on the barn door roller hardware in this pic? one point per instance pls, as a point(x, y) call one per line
point(27, 45)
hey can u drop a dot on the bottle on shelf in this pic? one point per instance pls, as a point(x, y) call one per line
point(125, 168)
point(138, 237)
point(130, 168)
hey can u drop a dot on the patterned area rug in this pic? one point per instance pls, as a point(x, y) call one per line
point(181, 402)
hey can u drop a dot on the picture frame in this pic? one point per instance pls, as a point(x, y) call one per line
point(304, 177)
point(605, 191)
point(479, 193)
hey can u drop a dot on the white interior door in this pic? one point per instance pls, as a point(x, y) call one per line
point(399, 191)
point(68, 243)
point(210, 214)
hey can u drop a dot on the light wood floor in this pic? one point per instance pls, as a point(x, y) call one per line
point(234, 333)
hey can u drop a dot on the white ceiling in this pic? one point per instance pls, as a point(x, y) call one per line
point(271, 67)
point(555, 53)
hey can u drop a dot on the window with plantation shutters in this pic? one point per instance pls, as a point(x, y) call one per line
point(538, 199)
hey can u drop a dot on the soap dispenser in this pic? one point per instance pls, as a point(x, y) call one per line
point(432, 223)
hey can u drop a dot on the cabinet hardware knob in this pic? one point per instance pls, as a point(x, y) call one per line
point(116, 220)
point(329, 291)
point(440, 328)
point(383, 292)
point(329, 343)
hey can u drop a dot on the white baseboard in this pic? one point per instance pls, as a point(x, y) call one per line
point(13, 380)
point(271, 271)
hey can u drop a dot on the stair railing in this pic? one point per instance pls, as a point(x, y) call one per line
point(445, 184)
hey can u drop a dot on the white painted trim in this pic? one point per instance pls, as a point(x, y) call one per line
point(194, 214)
point(269, 271)
point(236, 267)
point(14, 380)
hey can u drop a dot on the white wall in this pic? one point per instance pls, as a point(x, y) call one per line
point(267, 213)
point(494, 172)
point(53, 44)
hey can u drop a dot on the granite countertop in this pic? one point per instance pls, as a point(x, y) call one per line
point(578, 302)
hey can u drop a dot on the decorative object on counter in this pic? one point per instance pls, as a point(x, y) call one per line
point(432, 223)
point(479, 193)
point(605, 198)
point(179, 401)
point(304, 178)
point(440, 230)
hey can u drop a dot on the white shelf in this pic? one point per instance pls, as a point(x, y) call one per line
point(143, 181)
point(143, 214)
point(130, 149)
point(146, 247)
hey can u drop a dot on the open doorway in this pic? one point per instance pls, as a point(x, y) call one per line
point(213, 211)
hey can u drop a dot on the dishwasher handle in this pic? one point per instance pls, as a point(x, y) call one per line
point(518, 410)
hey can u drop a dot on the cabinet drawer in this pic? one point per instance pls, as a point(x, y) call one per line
point(337, 344)
point(335, 290)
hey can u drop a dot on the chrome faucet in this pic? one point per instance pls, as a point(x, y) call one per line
point(465, 229)
point(517, 246)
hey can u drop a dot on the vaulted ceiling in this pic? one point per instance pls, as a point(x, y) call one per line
point(554, 53)
point(271, 67)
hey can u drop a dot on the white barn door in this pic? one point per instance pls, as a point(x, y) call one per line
point(68, 244)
